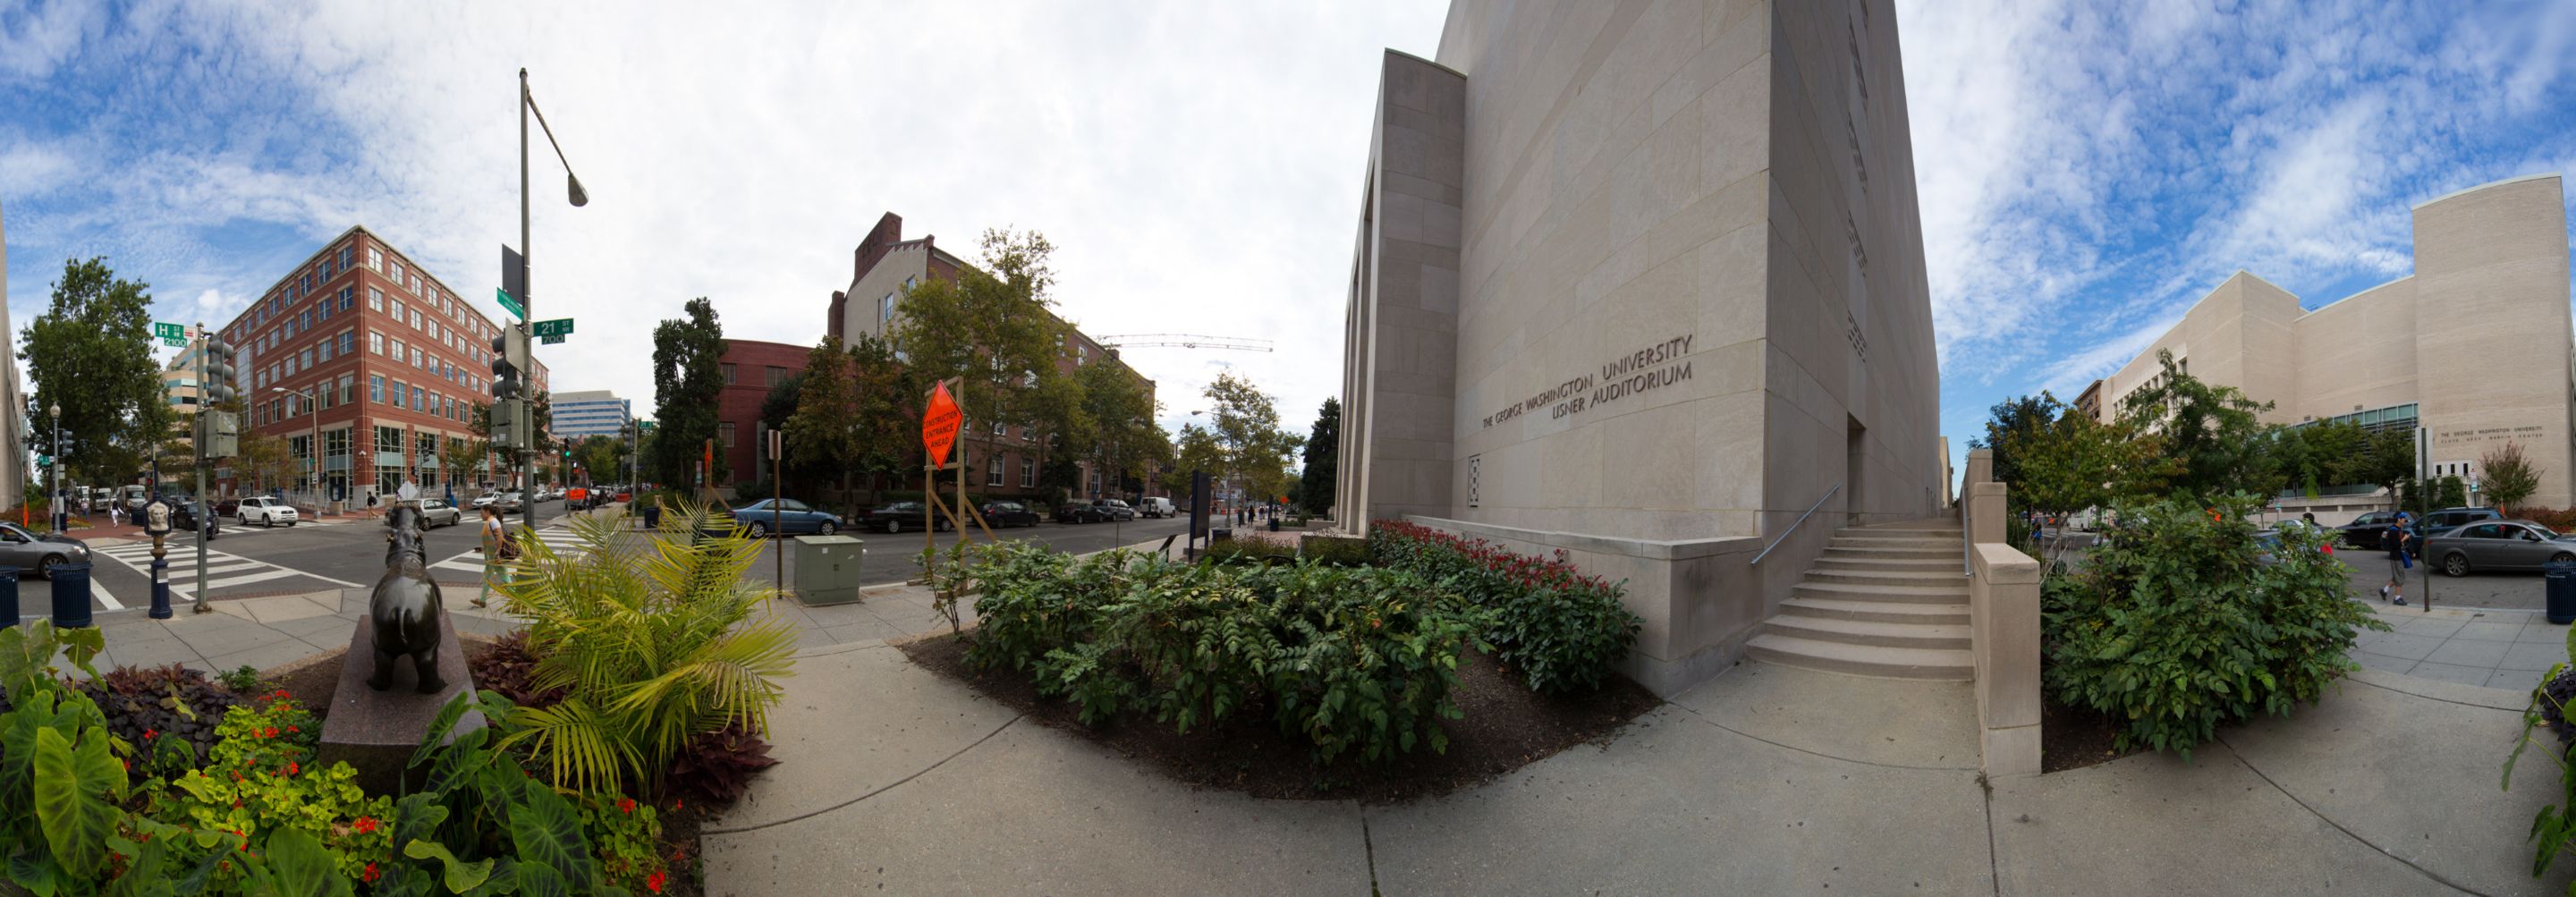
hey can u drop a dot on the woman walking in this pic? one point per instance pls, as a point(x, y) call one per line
point(496, 539)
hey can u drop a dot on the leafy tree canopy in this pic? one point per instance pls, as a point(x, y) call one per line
point(91, 354)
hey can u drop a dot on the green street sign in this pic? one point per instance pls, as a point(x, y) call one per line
point(44, 460)
point(556, 328)
point(508, 302)
point(551, 339)
point(170, 332)
point(175, 342)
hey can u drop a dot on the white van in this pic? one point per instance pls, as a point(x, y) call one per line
point(1154, 507)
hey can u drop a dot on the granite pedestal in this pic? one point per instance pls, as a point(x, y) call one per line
point(377, 731)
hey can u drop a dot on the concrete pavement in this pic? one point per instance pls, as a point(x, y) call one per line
point(1764, 780)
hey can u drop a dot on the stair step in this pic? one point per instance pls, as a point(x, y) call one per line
point(1869, 632)
point(1934, 578)
point(1956, 594)
point(1877, 611)
point(1911, 553)
point(1865, 562)
point(1876, 541)
point(1863, 660)
point(1951, 529)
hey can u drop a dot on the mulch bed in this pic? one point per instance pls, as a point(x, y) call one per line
point(315, 681)
point(1506, 727)
point(2075, 737)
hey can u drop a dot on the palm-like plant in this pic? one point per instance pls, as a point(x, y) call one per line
point(656, 637)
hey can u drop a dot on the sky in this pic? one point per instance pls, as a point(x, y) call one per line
point(2086, 170)
point(2089, 170)
point(1197, 165)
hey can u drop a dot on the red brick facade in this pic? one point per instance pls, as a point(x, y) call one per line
point(751, 369)
point(396, 359)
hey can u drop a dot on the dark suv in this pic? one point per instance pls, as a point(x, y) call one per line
point(2447, 518)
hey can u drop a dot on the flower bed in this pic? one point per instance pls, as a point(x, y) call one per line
point(1562, 630)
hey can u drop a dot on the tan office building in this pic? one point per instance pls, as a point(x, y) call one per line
point(2475, 346)
point(1644, 281)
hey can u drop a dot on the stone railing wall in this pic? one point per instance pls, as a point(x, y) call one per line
point(2003, 619)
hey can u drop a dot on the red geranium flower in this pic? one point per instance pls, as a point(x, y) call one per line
point(291, 768)
point(148, 733)
point(365, 824)
point(626, 804)
point(653, 882)
point(371, 872)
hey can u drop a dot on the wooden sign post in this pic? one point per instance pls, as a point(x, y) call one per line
point(939, 426)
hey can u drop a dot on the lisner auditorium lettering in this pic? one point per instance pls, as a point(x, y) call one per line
point(1653, 367)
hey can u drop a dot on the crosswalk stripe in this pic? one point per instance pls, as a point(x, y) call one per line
point(247, 578)
point(100, 592)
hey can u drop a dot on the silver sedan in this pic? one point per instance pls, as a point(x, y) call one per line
point(2498, 545)
point(23, 549)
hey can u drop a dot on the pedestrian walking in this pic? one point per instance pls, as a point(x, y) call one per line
point(2395, 540)
point(495, 539)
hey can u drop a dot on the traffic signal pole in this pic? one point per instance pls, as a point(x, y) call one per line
point(527, 312)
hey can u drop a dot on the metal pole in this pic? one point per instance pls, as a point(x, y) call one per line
point(777, 496)
point(205, 510)
point(528, 309)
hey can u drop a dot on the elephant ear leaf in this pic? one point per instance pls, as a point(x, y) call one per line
point(539, 880)
point(444, 723)
point(460, 876)
point(144, 875)
point(297, 865)
point(547, 834)
point(35, 873)
point(71, 788)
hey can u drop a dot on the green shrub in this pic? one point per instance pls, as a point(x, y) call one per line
point(2176, 625)
point(1249, 551)
point(261, 776)
point(1561, 630)
point(654, 639)
point(1352, 660)
point(1339, 551)
point(170, 714)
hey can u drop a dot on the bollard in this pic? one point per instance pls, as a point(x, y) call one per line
point(71, 595)
point(8, 597)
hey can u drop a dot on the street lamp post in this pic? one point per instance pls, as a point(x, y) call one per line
point(312, 444)
point(60, 521)
point(528, 304)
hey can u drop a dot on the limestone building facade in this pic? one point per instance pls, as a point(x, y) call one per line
point(1644, 281)
point(13, 449)
point(2474, 346)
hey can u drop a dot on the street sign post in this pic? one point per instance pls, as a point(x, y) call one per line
point(556, 327)
point(170, 334)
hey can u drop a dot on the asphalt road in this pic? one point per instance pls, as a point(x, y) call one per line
point(245, 562)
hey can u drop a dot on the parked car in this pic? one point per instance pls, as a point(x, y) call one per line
point(2364, 531)
point(2498, 545)
point(436, 512)
point(508, 502)
point(1079, 512)
point(898, 516)
point(24, 549)
point(1114, 509)
point(228, 506)
point(2449, 518)
point(1007, 513)
point(1155, 507)
point(268, 511)
point(790, 516)
point(484, 499)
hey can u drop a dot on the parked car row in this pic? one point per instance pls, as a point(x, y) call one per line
point(2370, 530)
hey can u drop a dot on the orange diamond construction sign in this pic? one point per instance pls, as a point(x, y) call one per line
point(939, 424)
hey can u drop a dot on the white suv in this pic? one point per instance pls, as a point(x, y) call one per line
point(268, 511)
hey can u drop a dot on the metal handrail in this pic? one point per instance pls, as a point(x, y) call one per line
point(1802, 520)
point(1967, 542)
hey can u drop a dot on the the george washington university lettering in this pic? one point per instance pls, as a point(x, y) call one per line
point(1652, 367)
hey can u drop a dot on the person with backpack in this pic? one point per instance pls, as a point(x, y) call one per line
point(2395, 540)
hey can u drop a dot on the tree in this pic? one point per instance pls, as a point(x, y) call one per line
point(599, 457)
point(822, 420)
point(2389, 460)
point(91, 354)
point(2077, 462)
point(887, 399)
point(1195, 450)
point(990, 326)
point(688, 378)
point(1247, 425)
point(2212, 431)
point(2011, 418)
point(1322, 459)
point(2511, 478)
point(263, 462)
point(1120, 417)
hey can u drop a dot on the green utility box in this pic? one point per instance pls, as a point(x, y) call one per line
point(827, 569)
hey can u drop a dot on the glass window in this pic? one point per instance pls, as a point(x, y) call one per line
point(375, 389)
point(375, 299)
point(415, 356)
point(375, 258)
point(724, 432)
point(323, 350)
point(348, 341)
point(1028, 473)
point(728, 374)
point(400, 310)
point(415, 400)
point(306, 357)
point(396, 271)
point(348, 388)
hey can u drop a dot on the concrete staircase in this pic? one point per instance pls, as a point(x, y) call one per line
point(1889, 600)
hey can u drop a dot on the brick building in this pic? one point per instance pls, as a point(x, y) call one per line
point(751, 369)
point(379, 355)
point(885, 265)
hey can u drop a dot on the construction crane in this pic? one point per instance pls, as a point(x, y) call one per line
point(1180, 340)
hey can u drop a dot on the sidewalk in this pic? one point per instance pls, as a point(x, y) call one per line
point(1765, 780)
point(2493, 647)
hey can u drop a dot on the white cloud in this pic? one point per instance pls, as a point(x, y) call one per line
point(1196, 165)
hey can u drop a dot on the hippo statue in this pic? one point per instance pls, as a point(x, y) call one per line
point(404, 614)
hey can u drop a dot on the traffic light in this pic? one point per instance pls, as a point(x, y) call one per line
point(218, 431)
point(510, 363)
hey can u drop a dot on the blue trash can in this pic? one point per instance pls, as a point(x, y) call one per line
point(2561, 577)
point(71, 595)
point(8, 597)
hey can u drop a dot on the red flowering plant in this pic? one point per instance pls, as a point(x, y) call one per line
point(1559, 629)
point(626, 834)
point(260, 777)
